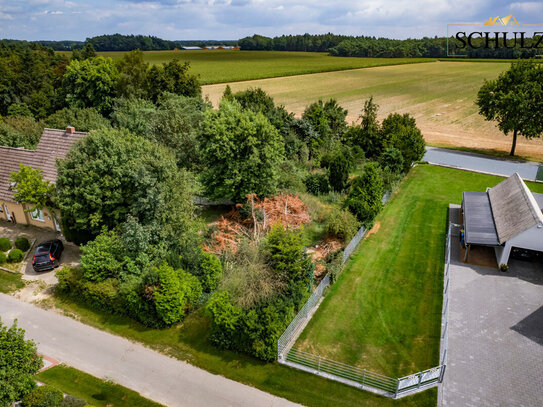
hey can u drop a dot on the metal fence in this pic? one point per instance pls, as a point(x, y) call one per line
point(355, 376)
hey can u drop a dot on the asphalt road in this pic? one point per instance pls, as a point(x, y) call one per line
point(155, 376)
point(479, 162)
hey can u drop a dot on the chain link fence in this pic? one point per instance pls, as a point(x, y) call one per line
point(355, 376)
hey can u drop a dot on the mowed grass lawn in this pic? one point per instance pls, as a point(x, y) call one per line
point(10, 282)
point(94, 391)
point(384, 312)
point(216, 66)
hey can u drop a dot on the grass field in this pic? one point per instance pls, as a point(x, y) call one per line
point(10, 282)
point(188, 341)
point(440, 95)
point(384, 312)
point(216, 66)
point(94, 391)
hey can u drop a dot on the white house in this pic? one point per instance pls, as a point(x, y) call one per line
point(508, 215)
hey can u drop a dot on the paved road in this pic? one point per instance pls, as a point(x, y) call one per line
point(479, 162)
point(158, 377)
point(495, 351)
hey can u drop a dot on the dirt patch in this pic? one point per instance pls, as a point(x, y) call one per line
point(479, 256)
point(374, 229)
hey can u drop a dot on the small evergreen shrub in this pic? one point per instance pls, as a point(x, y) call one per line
point(22, 244)
point(43, 396)
point(342, 224)
point(5, 244)
point(71, 401)
point(3, 258)
point(15, 256)
point(317, 184)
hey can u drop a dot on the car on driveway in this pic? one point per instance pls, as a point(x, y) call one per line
point(47, 255)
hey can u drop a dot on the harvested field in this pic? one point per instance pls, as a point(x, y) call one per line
point(440, 95)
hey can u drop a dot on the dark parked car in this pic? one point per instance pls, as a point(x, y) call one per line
point(526, 254)
point(47, 255)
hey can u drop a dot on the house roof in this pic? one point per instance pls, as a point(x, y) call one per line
point(53, 144)
point(514, 208)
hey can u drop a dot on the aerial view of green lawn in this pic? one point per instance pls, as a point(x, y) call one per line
point(216, 66)
point(384, 312)
point(440, 95)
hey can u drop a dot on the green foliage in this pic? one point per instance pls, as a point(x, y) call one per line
point(286, 252)
point(210, 271)
point(19, 361)
point(91, 83)
point(15, 256)
point(402, 133)
point(31, 188)
point(22, 244)
point(392, 159)
point(225, 317)
point(20, 131)
point(177, 291)
point(103, 257)
point(43, 396)
point(342, 224)
point(328, 119)
point(85, 119)
point(240, 151)
point(367, 134)
point(19, 109)
point(365, 198)
point(340, 165)
point(512, 99)
point(5, 244)
point(71, 401)
point(133, 114)
point(133, 71)
point(3, 258)
point(172, 77)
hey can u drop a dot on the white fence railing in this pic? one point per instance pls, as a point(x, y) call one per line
point(355, 376)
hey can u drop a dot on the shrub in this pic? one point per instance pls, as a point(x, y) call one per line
point(317, 184)
point(3, 258)
point(211, 271)
point(43, 396)
point(340, 165)
point(103, 257)
point(365, 197)
point(393, 159)
point(5, 244)
point(22, 244)
point(15, 256)
point(504, 267)
point(342, 224)
point(71, 401)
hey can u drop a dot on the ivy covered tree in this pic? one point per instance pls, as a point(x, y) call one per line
point(19, 362)
point(91, 83)
point(515, 101)
point(365, 198)
point(240, 152)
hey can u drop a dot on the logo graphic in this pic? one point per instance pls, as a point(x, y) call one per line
point(502, 21)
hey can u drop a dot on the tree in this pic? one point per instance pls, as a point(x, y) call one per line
point(365, 198)
point(367, 135)
point(133, 72)
point(103, 257)
point(392, 159)
point(20, 131)
point(134, 115)
point(240, 152)
point(328, 119)
point(19, 362)
point(173, 77)
point(88, 51)
point(86, 119)
point(32, 189)
point(339, 167)
point(402, 133)
point(515, 101)
point(91, 83)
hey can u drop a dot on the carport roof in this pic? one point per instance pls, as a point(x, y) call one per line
point(478, 220)
point(538, 199)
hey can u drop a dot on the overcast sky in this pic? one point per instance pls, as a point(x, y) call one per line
point(233, 19)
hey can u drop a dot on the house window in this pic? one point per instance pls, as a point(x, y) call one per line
point(37, 215)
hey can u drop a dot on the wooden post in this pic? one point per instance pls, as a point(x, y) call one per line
point(467, 252)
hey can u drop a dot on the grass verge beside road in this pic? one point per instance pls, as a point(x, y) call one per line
point(94, 391)
point(384, 312)
point(10, 282)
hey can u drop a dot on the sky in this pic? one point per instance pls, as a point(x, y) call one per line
point(234, 19)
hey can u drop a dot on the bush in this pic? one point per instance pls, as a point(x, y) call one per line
point(392, 159)
point(5, 244)
point(71, 401)
point(339, 167)
point(3, 258)
point(317, 184)
point(15, 256)
point(342, 224)
point(43, 396)
point(103, 257)
point(22, 244)
point(365, 197)
point(211, 271)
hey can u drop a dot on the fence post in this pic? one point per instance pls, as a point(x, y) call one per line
point(420, 380)
point(442, 373)
point(319, 367)
point(397, 388)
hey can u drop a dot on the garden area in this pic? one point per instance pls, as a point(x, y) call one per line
point(384, 312)
point(12, 254)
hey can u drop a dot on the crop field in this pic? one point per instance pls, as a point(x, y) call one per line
point(384, 312)
point(440, 95)
point(216, 66)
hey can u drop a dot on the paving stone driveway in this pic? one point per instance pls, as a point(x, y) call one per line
point(495, 335)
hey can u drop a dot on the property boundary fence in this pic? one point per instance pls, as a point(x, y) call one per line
point(355, 376)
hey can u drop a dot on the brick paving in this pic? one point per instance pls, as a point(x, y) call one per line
point(495, 336)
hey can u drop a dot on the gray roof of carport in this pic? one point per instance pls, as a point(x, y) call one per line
point(478, 220)
point(538, 199)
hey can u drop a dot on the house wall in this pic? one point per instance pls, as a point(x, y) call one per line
point(23, 218)
point(530, 239)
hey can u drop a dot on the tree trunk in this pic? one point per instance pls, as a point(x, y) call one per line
point(512, 153)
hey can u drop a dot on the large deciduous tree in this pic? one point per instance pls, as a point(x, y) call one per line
point(240, 152)
point(19, 361)
point(515, 101)
point(31, 188)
